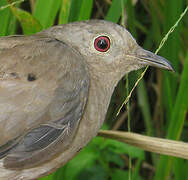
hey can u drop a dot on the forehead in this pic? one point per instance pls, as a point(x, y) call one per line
point(100, 26)
point(94, 27)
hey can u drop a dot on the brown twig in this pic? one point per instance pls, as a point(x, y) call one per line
point(152, 144)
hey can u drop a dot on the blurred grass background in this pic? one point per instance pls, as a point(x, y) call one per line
point(159, 105)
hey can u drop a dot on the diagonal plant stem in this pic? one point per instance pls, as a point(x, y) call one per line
point(11, 4)
point(171, 30)
point(160, 46)
point(128, 97)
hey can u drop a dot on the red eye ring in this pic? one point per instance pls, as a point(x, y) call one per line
point(102, 43)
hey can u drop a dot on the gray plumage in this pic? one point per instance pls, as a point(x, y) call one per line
point(55, 91)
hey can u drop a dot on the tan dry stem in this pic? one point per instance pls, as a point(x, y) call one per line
point(152, 144)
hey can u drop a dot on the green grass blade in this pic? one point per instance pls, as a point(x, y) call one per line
point(4, 18)
point(29, 24)
point(85, 10)
point(181, 106)
point(155, 23)
point(131, 18)
point(46, 11)
point(64, 11)
point(177, 122)
point(180, 169)
point(80, 10)
point(7, 19)
point(49, 177)
point(144, 105)
point(75, 9)
point(170, 51)
point(114, 13)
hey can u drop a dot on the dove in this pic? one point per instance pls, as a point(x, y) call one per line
point(55, 88)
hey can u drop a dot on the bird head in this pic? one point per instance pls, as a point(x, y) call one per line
point(109, 49)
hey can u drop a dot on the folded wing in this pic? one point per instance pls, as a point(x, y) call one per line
point(43, 91)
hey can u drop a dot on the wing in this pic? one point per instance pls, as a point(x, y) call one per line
point(43, 91)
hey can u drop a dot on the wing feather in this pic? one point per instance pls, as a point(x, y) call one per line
point(44, 111)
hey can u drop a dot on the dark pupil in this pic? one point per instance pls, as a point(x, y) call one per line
point(102, 44)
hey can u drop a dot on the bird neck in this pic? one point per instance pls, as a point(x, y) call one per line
point(96, 108)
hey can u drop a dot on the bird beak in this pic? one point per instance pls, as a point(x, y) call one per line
point(151, 59)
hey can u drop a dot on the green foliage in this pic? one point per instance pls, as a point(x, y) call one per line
point(162, 97)
point(45, 11)
point(114, 12)
point(80, 10)
point(7, 20)
point(64, 11)
point(29, 24)
point(177, 121)
point(94, 160)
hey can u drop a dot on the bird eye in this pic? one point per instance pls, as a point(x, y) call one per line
point(102, 43)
